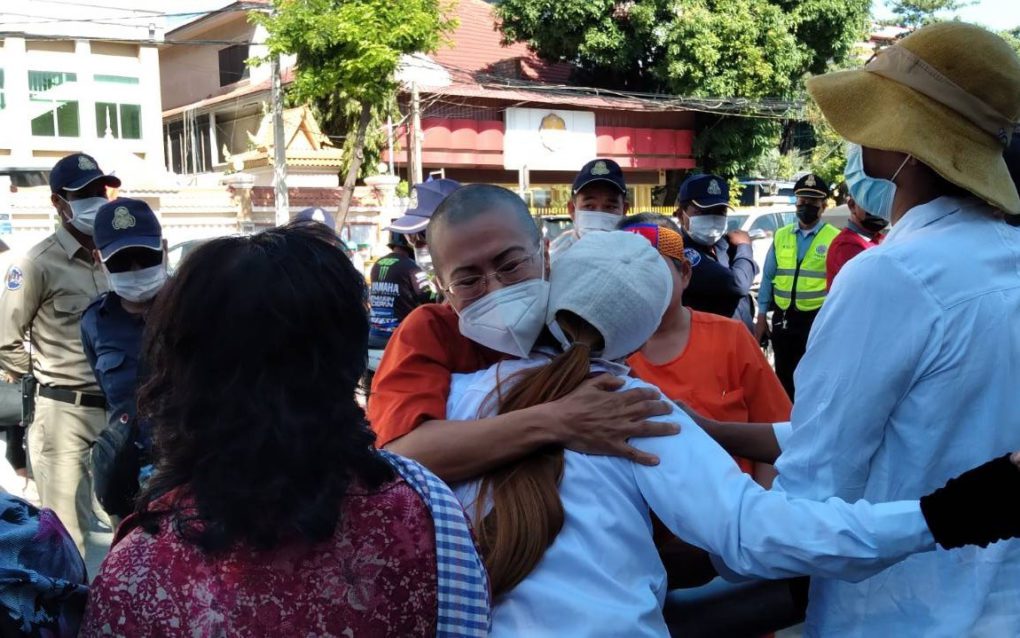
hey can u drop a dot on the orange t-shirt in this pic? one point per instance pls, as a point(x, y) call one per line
point(412, 383)
point(722, 374)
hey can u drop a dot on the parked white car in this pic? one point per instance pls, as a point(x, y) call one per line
point(761, 224)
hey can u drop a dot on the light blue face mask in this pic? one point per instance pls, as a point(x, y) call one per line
point(872, 194)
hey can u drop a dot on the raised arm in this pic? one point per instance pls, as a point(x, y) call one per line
point(700, 494)
point(594, 419)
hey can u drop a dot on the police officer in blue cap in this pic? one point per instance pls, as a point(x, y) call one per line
point(598, 201)
point(132, 252)
point(722, 263)
point(44, 294)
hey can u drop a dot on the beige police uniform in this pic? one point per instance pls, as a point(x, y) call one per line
point(46, 291)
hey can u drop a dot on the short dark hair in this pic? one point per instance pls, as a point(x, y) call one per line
point(255, 348)
point(468, 202)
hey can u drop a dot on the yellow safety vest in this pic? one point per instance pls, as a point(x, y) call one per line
point(804, 281)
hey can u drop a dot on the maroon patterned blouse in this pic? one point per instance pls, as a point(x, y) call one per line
point(375, 577)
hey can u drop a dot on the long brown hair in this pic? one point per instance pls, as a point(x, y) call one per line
point(527, 513)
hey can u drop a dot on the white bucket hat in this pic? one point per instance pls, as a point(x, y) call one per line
point(617, 282)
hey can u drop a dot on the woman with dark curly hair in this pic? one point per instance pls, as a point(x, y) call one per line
point(270, 512)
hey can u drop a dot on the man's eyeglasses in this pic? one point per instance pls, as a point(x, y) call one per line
point(474, 286)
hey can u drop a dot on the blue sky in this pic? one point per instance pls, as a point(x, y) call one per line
point(994, 14)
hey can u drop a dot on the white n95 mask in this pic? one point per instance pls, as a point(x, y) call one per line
point(508, 320)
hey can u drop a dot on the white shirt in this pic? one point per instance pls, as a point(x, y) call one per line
point(912, 376)
point(602, 576)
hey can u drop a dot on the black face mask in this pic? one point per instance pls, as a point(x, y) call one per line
point(874, 224)
point(807, 213)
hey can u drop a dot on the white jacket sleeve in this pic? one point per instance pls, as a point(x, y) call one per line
point(701, 495)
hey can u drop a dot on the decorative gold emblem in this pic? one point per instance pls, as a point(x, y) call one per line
point(123, 219)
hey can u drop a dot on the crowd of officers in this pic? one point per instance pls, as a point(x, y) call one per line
point(79, 298)
point(906, 380)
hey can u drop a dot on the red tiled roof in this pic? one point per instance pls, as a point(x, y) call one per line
point(477, 47)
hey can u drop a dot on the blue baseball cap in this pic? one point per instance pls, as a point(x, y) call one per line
point(76, 171)
point(126, 223)
point(425, 199)
point(316, 214)
point(600, 170)
point(704, 191)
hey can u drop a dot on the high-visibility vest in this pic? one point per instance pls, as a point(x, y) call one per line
point(802, 281)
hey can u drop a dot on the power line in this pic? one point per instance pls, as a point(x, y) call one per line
point(123, 14)
point(95, 6)
point(764, 108)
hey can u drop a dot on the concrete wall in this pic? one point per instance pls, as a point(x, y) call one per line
point(191, 72)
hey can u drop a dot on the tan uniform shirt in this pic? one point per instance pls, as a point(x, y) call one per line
point(47, 290)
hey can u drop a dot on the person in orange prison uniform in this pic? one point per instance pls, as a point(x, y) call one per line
point(708, 362)
point(415, 372)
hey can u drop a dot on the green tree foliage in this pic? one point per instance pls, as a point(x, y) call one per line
point(828, 157)
point(338, 115)
point(348, 52)
point(1013, 38)
point(914, 14)
point(780, 166)
point(757, 49)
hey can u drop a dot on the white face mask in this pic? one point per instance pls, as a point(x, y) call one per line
point(586, 221)
point(83, 213)
point(707, 229)
point(508, 320)
point(138, 286)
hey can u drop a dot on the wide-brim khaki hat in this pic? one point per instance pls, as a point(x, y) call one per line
point(948, 94)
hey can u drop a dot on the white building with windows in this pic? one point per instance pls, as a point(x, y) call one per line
point(79, 76)
point(76, 75)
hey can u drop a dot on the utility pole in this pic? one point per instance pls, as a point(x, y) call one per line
point(279, 150)
point(414, 143)
point(389, 139)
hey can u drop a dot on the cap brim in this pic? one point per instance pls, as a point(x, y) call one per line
point(705, 203)
point(900, 119)
point(151, 242)
point(810, 192)
point(599, 179)
point(110, 180)
point(409, 224)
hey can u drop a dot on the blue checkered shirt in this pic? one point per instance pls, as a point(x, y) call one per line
point(464, 602)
